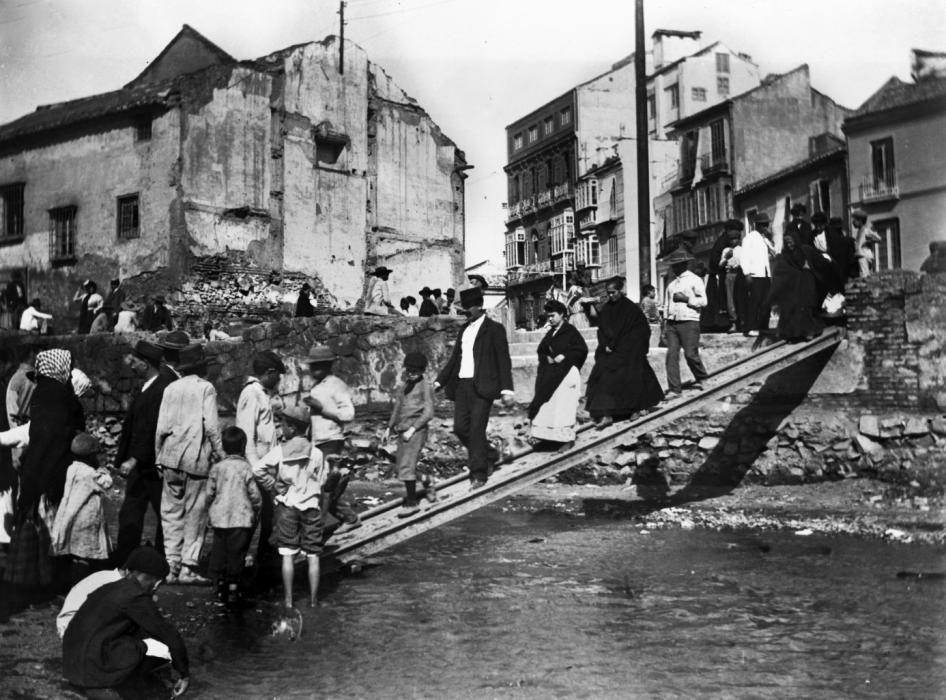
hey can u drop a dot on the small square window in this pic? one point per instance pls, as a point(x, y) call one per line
point(143, 130)
point(548, 126)
point(127, 217)
point(722, 85)
point(698, 94)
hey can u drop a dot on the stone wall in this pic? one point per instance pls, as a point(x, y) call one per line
point(898, 320)
point(370, 350)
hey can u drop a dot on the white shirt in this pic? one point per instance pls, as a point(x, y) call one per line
point(127, 322)
point(33, 320)
point(79, 593)
point(467, 365)
point(690, 284)
point(754, 258)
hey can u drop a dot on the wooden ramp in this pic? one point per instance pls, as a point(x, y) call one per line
point(383, 529)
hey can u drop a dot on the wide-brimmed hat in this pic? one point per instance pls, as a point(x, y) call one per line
point(191, 357)
point(175, 340)
point(762, 218)
point(415, 360)
point(382, 270)
point(159, 298)
point(320, 353)
point(680, 255)
point(148, 351)
point(267, 360)
point(426, 292)
point(299, 415)
point(147, 560)
point(473, 296)
point(819, 218)
point(298, 448)
point(798, 209)
point(478, 278)
point(84, 445)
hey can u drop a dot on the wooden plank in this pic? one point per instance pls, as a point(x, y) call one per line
point(383, 529)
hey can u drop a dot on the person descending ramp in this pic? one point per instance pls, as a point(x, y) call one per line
point(382, 528)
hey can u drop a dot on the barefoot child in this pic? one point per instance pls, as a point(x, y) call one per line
point(299, 472)
point(234, 506)
point(413, 409)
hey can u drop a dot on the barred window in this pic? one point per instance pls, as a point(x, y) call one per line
point(128, 217)
point(11, 211)
point(62, 234)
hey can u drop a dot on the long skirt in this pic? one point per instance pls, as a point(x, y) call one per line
point(556, 420)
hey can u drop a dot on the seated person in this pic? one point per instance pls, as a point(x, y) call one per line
point(118, 626)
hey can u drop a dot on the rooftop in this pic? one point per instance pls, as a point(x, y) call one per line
point(896, 93)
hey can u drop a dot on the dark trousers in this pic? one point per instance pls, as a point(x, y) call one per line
point(228, 552)
point(686, 335)
point(470, 417)
point(332, 503)
point(758, 303)
point(141, 490)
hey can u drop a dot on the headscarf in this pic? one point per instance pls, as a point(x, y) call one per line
point(55, 364)
point(795, 257)
point(80, 382)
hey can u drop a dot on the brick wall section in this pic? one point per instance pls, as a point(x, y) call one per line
point(899, 318)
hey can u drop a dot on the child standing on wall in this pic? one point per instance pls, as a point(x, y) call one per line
point(413, 409)
point(235, 504)
point(299, 470)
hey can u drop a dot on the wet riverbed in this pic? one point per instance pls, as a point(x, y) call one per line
point(540, 605)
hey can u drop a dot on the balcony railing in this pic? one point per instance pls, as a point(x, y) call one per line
point(563, 191)
point(710, 162)
point(879, 190)
point(588, 219)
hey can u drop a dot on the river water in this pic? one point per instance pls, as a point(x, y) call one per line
point(506, 604)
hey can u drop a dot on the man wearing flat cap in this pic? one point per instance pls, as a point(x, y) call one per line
point(755, 259)
point(187, 441)
point(478, 372)
point(255, 416)
point(801, 228)
point(117, 626)
point(135, 457)
point(377, 296)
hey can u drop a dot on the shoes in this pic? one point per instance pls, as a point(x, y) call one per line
point(604, 422)
point(430, 490)
point(189, 577)
point(173, 578)
point(348, 527)
point(407, 511)
point(696, 386)
point(477, 484)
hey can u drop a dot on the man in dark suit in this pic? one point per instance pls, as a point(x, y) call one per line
point(478, 372)
point(156, 315)
point(135, 455)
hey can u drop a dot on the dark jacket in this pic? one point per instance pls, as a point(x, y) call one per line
point(103, 646)
point(569, 342)
point(492, 368)
point(154, 318)
point(141, 421)
point(56, 417)
point(427, 308)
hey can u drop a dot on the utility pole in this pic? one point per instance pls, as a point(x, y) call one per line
point(643, 154)
point(341, 40)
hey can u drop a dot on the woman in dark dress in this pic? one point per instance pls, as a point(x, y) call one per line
point(622, 382)
point(562, 352)
point(794, 290)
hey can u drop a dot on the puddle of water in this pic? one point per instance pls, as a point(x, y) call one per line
point(599, 609)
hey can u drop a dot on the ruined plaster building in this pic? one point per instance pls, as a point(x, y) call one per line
point(555, 221)
point(295, 162)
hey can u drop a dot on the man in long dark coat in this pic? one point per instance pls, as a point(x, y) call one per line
point(135, 455)
point(478, 372)
point(622, 381)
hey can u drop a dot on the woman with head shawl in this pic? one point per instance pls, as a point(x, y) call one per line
point(562, 352)
point(794, 289)
point(56, 416)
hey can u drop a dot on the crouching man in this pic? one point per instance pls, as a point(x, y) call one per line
point(118, 632)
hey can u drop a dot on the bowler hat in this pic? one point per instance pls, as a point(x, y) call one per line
point(381, 270)
point(84, 445)
point(762, 218)
point(149, 351)
point(680, 255)
point(298, 415)
point(471, 297)
point(478, 278)
point(191, 357)
point(267, 360)
point(798, 209)
point(159, 298)
point(819, 218)
point(296, 449)
point(415, 360)
point(425, 292)
point(320, 353)
point(175, 340)
point(147, 560)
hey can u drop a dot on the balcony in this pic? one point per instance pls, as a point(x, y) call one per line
point(588, 219)
point(714, 162)
point(879, 190)
point(560, 192)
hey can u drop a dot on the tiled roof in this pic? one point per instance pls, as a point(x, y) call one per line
point(896, 93)
point(796, 167)
point(86, 108)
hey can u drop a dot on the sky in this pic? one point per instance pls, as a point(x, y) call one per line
point(473, 65)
